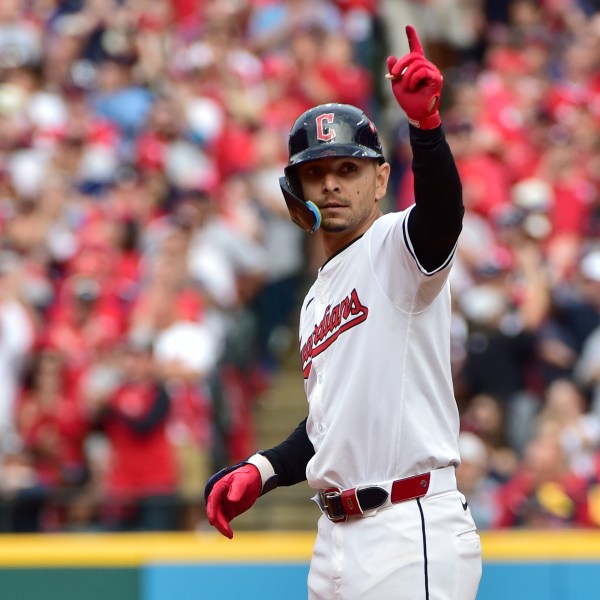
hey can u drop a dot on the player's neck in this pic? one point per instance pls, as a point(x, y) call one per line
point(335, 241)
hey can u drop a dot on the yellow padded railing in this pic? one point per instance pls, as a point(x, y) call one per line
point(131, 550)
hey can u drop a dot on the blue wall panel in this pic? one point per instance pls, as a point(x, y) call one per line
point(540, 581)
point(262, 581)
point(582, 579)
point(519, 581)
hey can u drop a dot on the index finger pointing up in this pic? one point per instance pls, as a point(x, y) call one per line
point(414, 44)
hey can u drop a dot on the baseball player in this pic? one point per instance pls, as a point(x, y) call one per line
point(379, 445)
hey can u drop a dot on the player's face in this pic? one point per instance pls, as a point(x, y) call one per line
point(346, 190)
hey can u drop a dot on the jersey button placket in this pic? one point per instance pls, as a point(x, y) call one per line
point(318, 394)
point(318, 361)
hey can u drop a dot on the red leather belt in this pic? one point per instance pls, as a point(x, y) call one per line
point(340, 504)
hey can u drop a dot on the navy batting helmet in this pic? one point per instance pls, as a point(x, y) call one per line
point(333, 130)
point(328, 130)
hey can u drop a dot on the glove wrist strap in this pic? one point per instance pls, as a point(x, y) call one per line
point(268, 477)
point(430, 122)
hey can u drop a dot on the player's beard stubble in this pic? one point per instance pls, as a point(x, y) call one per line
point(345, 218)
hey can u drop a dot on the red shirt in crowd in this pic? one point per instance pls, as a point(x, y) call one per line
point(53, 431)
point(142, 457)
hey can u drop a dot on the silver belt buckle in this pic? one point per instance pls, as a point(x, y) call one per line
point(326, 496)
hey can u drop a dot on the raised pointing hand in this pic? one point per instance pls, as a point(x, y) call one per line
point(416, 83)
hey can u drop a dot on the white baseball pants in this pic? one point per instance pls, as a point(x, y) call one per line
point(425, 549)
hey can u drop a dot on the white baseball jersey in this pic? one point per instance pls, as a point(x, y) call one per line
point(374, 341)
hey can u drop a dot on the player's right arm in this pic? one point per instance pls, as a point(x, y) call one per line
point(233, 490)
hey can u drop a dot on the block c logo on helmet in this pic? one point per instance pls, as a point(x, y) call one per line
point(325, 132)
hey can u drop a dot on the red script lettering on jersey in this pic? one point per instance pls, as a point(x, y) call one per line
point(336, 320)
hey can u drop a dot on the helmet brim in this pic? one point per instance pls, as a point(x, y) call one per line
point(327, 150)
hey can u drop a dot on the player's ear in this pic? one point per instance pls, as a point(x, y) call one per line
point(381, 180)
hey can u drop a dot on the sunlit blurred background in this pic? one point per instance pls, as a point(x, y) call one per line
point(150, 276)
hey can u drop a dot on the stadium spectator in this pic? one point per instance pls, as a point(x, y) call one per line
point(51, 424)
point(475, 482)
point(543, 493)
point(577, 429)
point(483, 416)
point(140, 489)
point(17, 338)
point(574, 315)
point(283, 241)
point(503, 310)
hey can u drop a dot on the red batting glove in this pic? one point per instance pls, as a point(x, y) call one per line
point(232, 495)
point(416, 83)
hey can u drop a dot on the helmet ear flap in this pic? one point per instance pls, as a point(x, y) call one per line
point(293, 182)
point(304, 213)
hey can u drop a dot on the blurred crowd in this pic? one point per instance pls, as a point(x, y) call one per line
point(150, 274)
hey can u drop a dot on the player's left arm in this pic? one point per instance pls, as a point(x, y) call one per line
point(435, 222)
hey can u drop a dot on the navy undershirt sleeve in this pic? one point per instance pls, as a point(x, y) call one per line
point(435, 222)
point(289, 459)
